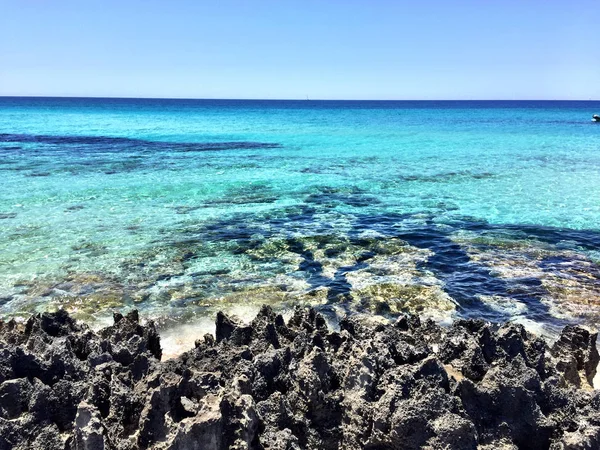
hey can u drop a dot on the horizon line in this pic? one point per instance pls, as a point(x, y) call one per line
point(297, 99)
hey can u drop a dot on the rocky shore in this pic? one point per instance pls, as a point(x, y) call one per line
point(296, 385)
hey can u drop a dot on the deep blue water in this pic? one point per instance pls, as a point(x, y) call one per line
point(183, 207)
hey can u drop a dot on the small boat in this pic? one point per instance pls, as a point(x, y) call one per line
point(595, 118)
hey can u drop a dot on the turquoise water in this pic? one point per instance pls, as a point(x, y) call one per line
point(182, 207)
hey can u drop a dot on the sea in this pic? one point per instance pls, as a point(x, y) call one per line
point(182, 208)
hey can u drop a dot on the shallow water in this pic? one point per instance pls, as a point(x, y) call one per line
point(181, 208)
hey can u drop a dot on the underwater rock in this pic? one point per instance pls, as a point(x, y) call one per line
point(273, 385)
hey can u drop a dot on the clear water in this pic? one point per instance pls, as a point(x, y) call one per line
point(181, 208)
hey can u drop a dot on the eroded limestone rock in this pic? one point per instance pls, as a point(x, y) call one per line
point(272, 385)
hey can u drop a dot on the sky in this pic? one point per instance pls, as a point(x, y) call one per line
point(321, 49)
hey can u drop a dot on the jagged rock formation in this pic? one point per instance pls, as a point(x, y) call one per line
point(276, 386)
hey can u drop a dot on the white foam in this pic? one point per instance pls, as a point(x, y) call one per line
point(179, 339)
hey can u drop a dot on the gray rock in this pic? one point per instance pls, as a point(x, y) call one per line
point(276, 386)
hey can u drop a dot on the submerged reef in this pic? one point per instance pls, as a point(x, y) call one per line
point(297, 385)
point(317, 254)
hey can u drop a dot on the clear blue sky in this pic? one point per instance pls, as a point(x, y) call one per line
point(335, 49)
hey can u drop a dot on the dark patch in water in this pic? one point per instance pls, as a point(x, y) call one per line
point(5, 300)
point(572, 268)
point(210, 272)
point(560, 237)
point(446, 177)
point(106, 142)
point(8, 215)
point(168, 276)
point(74, 208)
point(337, 288)
point(464, 279)
point(333, 252)
point(311, 170)
point(39, 174)
point(114, 155)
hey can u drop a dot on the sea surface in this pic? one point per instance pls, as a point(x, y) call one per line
point(181, 208)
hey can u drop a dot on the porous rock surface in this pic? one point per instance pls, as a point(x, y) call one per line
point(298, 385)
